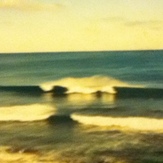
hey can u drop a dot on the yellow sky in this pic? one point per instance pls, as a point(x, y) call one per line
point(75, 25)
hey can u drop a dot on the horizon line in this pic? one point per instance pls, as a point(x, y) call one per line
point(80, 51)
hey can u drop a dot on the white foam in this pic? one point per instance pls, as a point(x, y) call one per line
point(136, 123)
point(86, 85)
point(34, 112)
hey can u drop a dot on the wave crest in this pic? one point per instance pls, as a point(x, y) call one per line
point(136, 123)
point(85, 85)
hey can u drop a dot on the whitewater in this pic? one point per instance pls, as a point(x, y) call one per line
point(86, 85)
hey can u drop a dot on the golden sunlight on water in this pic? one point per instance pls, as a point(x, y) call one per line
point(32, 112)
point(7, 154)
point(87, 99)
point(86, 85)
point(136, 123)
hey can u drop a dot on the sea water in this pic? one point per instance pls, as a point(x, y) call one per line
point(81, 107)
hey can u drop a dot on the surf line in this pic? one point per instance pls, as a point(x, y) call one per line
point(136, 123)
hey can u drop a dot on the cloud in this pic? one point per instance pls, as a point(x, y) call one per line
point(108, 19)
point(152, 24)
point(28, 5)
point(112, 19)
point(142, 23)
point(134, 23)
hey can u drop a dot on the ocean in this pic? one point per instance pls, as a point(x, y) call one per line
point(81, 107)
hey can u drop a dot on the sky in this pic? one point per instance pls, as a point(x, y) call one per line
point(80, 25)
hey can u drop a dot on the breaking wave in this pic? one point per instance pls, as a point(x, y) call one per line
point(85, 85)
point(136, 123)
point(34, 112)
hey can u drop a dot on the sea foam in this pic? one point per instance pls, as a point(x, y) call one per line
point(134, 123)
point(86, 85)
point(34, 112)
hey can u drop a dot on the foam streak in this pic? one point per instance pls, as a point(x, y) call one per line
point(33, 112)
point(136, 123)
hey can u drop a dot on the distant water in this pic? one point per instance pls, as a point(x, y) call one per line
point(82, 107)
